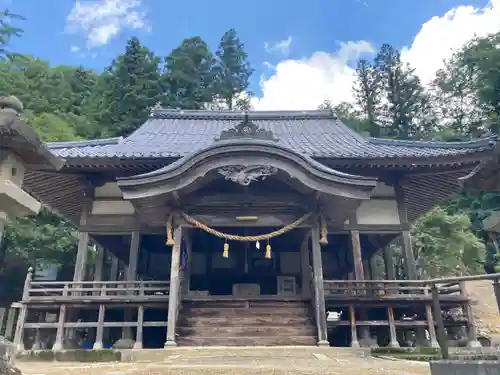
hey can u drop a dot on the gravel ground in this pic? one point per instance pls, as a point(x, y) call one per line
point(320, 362)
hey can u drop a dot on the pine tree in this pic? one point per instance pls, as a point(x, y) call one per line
point(128, 89)
point(406, 111)
point(7, 31)
point(233, 69)
point(367, 92)
point(189, 76)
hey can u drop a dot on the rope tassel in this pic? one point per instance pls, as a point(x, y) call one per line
point(225, 253)
point(170, 236)
point(268, 251)
point(324, 231)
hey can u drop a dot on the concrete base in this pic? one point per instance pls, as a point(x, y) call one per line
point(97, 345)
point(394, 344)
point(433, 344)
point(124, 344)
point(170, 344)
point(57, 347)
point(474, 344)
point(355, 344)
point(137, 345)
point(465, 367)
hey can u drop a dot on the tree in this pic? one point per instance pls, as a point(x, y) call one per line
point(367, 93)
point(7, 30)
point(446, 245)
point(232, 70)
point(406, 109)
point(189, 76)
point(128, 90)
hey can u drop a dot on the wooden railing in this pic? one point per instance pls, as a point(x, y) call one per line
point(95, 290)
point(388, 288)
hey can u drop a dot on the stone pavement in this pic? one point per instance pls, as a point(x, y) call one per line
point(229, 361)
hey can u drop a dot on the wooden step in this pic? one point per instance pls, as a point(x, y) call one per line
point(247, 303)
point(241, 311)
point(247, 341)
point(248, 331)
point(271, 320)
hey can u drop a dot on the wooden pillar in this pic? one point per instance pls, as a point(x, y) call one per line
point(9, 326)
point(2, 318)
point(98, 264)
point(3, 223)
point(433, 343)
point(99, 334)
point(319, 288)
point(354, 333)
point(131, 275)
point(140, 324)
point(186, 280)
point(496, 289)
point(23, 313)
point(133, 256)
point(58, 343)
point(389, 263)
point(471, 327)
point(173, 295)
point(366, 270)
point(441, 332)
point(37, 343)
point(81, 257)
point(305, 264)
point(356, 252)
point(392, 328)
point(374, 267)
point(113, 272)
point(411, 270)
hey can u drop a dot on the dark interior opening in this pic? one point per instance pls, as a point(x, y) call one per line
point(245, 264)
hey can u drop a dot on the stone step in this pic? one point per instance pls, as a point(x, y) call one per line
point(190, 353)
point(228, 321)
point(247, 341)
point(248, 331)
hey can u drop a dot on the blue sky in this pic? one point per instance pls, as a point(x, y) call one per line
point(281, 36)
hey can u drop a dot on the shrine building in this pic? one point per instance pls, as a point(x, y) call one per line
point(244, 228)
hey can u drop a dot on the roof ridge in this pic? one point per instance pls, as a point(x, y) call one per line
point(480, 142)
point(84, 143)
point(170, 113)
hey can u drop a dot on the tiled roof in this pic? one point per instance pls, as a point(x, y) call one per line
point(176, 133)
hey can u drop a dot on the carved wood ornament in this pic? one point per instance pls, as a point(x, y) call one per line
point(244, 175)
point(247, 129)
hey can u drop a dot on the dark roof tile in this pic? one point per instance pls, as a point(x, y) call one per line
point(176, 133)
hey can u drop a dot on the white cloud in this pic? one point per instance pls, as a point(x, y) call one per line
point(306, 83)
point(441, 36)
point(101, 20)
point(282, 46)
point(75, 49)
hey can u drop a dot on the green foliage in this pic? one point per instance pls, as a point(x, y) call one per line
point(129, 88)
point(405, 110)
point(445, 245)
point(232, 69)
point(8, 30)
point(189, 75)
